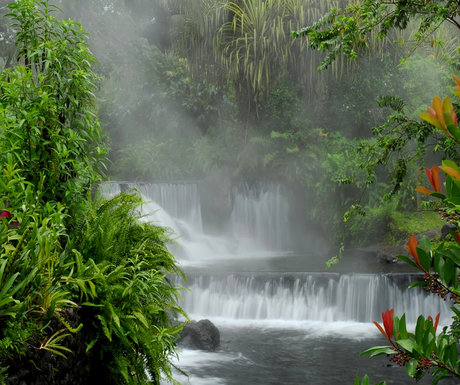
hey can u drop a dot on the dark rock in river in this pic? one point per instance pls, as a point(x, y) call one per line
point(446, 229)
point(200, 335)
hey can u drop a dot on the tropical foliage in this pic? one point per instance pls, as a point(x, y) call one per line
point(206, 85)
point(344, 31)
point(424, 350)
point(78, 277)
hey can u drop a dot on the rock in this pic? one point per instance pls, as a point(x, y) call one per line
point(384, 257)
point(446, 229)
point(429, 234)
point(200, 335)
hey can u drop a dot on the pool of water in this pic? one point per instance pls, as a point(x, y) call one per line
point(289, 353)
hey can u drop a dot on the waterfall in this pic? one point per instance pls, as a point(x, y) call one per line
point(179, 200)
point(326, 297)
point(259, 221)
point(261, 213)
point(176, 206)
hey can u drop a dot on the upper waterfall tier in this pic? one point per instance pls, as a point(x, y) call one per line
point(261, 212)
point(259, 221)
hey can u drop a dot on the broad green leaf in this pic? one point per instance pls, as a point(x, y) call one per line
point(408, 260)
point(379, 350)
point(411, 367)
point(408, 345)
point(451, 164)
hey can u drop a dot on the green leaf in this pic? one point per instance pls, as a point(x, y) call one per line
point(365, 380)
point(356, 379)
point(438, 195)
point(425, 259)
point(408, 260)
point(402, 327)
point(455, 131)
point(411, 367)
point(379, 350)
point(452, 164)
point(408, 345)
point(418, 283)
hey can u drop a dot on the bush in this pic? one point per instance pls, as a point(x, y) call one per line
point(79, 279)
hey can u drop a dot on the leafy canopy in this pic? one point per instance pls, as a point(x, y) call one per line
point(344, 31)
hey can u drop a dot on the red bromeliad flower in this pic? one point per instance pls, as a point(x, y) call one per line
point(436, 320)
point(435, 181)
point(411, 247)
point(388, 320)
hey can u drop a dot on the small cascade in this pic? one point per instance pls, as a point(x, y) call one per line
point(259, 219)
point(176, 206)
point(325, 297)
point(261, 213)
point(179, 200)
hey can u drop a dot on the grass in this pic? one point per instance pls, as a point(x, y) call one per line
point(387, 225)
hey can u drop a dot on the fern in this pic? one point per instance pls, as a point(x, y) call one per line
point(120, 271)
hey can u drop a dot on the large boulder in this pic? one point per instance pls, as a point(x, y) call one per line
point(200, 335)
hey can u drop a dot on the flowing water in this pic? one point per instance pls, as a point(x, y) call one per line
point(281, 318)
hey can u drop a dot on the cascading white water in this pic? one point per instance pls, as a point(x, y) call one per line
point(176, 206)
point(179, 200)
point(306, 297)
point(259, 219)
point(261, 213)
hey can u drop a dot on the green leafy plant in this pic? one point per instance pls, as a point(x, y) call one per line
point(120, 277)
point(83, 284)
point(424, 350)
point(344, 31)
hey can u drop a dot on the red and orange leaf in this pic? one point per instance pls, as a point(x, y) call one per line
point(451, 172)
point(436, 321)
point(436, 179)
point(431, 119)
point(457, 79)
point(431, 111)
point(438, 107)
point(381, 329)
point(423, 190)
point(412, 248)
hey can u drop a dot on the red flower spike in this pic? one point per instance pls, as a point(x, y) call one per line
point(412, 249)
point(454, 118)
point(5, 214)
point(388, 320)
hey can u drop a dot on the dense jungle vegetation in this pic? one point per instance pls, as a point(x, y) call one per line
point(81, 277)
point(182, 89)
point(191, 88)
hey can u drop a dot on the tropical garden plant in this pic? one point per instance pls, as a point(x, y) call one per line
point(345, 31)
point(84, 292)
point(425, 350)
